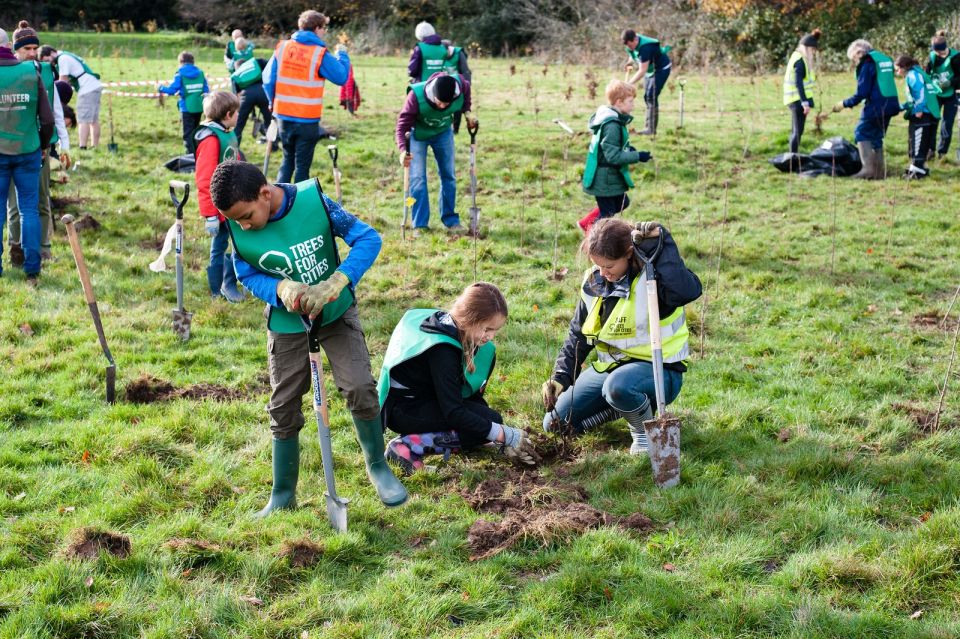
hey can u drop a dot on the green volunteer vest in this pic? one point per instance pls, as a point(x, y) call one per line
point(885, 77)
point(930, 93)
point(408, 341)
point(593, 156)
point(451, 64)
point(790, 93)
point(19, 105)
point(943, 71)
point(193, 93)
point(46, 76)
point(75, 80)
point(430, 121)
point(229, 147)
point(247, 73)
point(432, 58)
point(635, 53)
point(299, 246)
point(625, 336)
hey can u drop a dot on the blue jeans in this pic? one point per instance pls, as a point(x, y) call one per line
point(872, 130)
point(298, 140)
point(220, 270)
point(622, 389)
point(653, 86)
point(443, 152)
point(24, 171)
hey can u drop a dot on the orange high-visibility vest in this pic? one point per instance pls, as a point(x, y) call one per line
point(299, 88)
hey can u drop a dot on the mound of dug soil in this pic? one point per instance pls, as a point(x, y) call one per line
point(301, 553)
point(147, 389)
point(87, 543)
point(533, 507)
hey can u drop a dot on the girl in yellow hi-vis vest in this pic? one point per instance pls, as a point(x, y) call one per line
point(798, 82)
point(611, 318)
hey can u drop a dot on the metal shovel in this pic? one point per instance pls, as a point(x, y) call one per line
point(181, 318)
point(271, 138)
point(334, 154)
point(663, 432)
point(111, 373)
point(472, 127)
point(336, 505)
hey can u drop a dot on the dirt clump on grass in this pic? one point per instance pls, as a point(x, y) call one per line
point(301, 553)
point(87, 223)
point(923, 418)
point(148, 389)
point(535, 508)
point(87, 543)
point(932, 320)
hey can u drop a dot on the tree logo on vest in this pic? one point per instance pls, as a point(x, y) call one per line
point(620, 327)
point(276, 262)
point(230, 153)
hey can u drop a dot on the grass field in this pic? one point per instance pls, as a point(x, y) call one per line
point(815, 499)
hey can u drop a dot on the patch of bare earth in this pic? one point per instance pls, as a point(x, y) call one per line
point(88, 543)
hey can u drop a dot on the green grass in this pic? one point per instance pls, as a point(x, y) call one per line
point(845, 529)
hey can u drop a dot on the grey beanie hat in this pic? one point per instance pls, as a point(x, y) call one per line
point(424, 30)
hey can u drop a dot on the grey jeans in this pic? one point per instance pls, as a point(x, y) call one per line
point(288, 359)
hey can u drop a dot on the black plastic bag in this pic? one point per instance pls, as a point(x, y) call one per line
point(182, 164)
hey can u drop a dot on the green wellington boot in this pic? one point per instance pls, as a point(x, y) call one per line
point(389, 488)
point(286, 469)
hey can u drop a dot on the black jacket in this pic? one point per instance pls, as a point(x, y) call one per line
point(676, 286)
point(437, 374)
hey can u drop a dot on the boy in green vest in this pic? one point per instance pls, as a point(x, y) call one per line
point(217, 143)
point(190, 83)
point(285, 254)
point(607, 173)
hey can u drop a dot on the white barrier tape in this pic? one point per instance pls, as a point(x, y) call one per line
point(151, 83)
point(136, 94)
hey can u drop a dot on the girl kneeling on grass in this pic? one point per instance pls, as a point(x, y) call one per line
point(611, 317)
point(433, 378)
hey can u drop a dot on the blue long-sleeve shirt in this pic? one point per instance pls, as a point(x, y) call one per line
point(917, 88)
point(335, 67)
point(868, 89)
point(363, 240)
point(176, 87)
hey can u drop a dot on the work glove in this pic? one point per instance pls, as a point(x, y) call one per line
point(550, 390)
point(65, 161)
point(646, 230)
point(290, 293)
point(644, 156)
point(405, 159)
point(517, 446)
point(211, 225)
point(945, 85)
point(340, 49)
point(838, 107)
point(319, 295)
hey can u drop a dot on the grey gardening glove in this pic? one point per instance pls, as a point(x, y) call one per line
point(550, 390)
point(517, 446)
point(644, 156)
point(211, 226)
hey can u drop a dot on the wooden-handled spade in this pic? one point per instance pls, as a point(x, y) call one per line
point(181, 318)
point(92, 304)
point(663, 432)
point(334, 156)
point(407, 200)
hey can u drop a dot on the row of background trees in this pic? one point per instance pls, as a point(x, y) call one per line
point(743, 34)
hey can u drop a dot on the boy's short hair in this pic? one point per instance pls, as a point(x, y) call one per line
point(628, 35)
point(235, 181)
point(311, 19)
point(240, 43)
point(185, 57)
point(619, 90)
point(46, 50)
point(218, 104)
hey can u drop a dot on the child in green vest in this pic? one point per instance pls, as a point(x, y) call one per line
point(190, 83)
point(922, 111)
point(944, 68)
point(607, 173)
point(285, 253)
point(217, 143)
point(434, 376)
